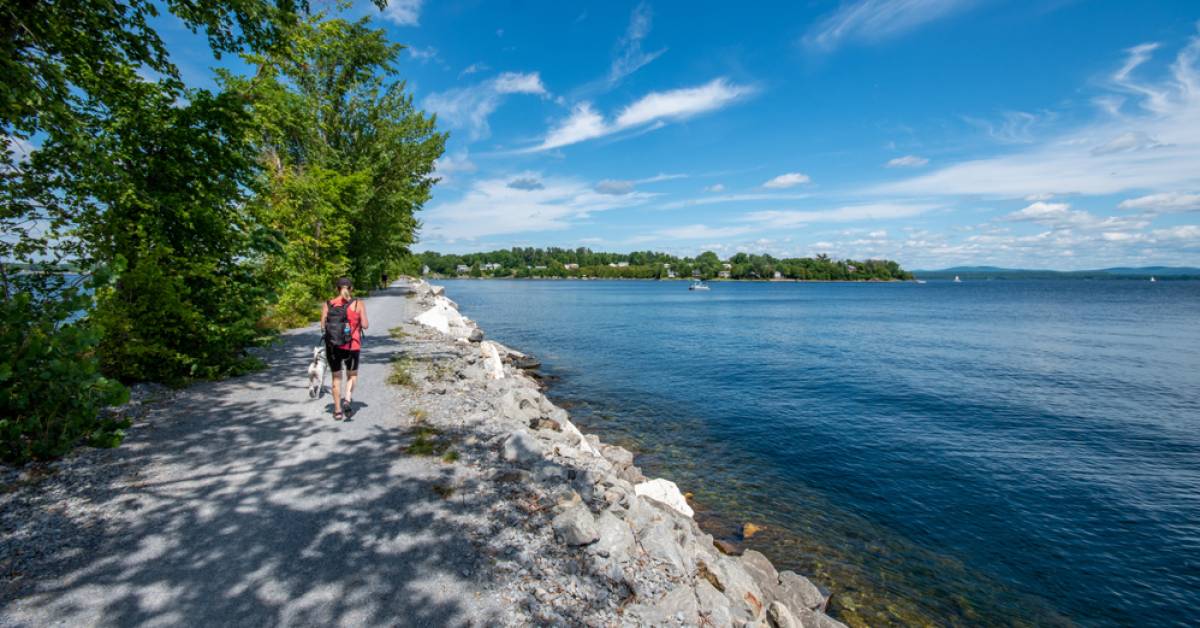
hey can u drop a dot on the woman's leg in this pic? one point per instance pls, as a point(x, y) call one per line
point(351, 375)
point(335, 365)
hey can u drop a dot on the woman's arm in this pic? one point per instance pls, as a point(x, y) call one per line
point(362, 310)
point(324, 314)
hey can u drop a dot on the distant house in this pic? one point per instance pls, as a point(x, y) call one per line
point(492, 266)
point(571, 266)
point(850, 267)
point(424, 270)
point(727, 266)
point(612, 265)
point(696, 272)
point(622, 264)
point(724, 274)
point(539, 268)
point(665, 265)
point(462, 269)
point(778, 275)
point(671, 274)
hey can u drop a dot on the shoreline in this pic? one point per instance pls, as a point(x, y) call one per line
point(679, 279)
point(619, 518)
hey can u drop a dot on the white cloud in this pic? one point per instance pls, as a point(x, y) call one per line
point(474, 68)
point(907, 161)
point(630, 56)
point(732, 198)
point(875, 20)
point(403, 12)
point(848, 213)
point(451, 164)
point(422, 54)
point(714, 188)
point(1164, 202)
point(585, 123)
point(490, 207)
point(788, 180)
point(1061, 216)
point(469, 107)
point(615, 188)
point(1156, 149)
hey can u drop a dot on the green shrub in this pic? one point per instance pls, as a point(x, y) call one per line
point(51, 388)
point(401, 373)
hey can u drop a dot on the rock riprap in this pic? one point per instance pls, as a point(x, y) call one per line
point(629, 552)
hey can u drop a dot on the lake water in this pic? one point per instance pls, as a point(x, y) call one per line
point(990, 453)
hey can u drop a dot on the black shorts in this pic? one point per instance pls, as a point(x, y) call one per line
point(336, 357)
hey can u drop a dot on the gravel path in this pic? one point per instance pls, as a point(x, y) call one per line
point(242, 502)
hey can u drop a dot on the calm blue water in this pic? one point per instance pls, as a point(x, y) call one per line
point(980, 453)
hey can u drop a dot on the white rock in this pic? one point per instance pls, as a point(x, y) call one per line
point(491, 360)
point(664, 491)
point(522, 448)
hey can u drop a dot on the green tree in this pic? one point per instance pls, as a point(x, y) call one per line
point(347, 159)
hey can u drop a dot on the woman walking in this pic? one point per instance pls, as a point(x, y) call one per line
point(343, 320)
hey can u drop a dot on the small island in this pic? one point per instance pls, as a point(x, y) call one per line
point(583, 263)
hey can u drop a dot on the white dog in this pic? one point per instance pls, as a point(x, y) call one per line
point(316, 372)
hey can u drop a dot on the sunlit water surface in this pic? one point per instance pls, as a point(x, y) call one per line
point(979, 453)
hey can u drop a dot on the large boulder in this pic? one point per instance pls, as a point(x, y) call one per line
point(491, 360)
point(763, 573)
point(780, 617)
point(664, 491)
point(677, 608)
point(522, 448)
point(616, 537)
point(747, 602)
point(799, 592)
point(661, 545)
point(576, 526)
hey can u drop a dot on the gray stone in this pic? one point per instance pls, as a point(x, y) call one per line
point(714, 607)
point(746, 599)
point(522, 448)
point(618, 456)
point(616, 537)
point(816, 619)
point(632, 475)
point(576, 526)
point(476, 335)
point(763, 573)
point(661, 545)
point(677, 608)
point(798, 592)
point(780, 617)
point(543, 423)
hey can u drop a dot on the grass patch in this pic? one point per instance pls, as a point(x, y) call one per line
point(443, 490)
point(398, 333)
point(401, 373)
point(427, 441)
point(418, 415)
point(450, 456)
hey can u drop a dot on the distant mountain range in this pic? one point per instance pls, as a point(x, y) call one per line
point(995, 272)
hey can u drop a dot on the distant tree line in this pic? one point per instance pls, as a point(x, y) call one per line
point(524, 262)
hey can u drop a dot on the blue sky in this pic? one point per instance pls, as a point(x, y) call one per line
point(935, 132)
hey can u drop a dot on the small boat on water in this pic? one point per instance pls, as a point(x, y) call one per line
point(1153, 280)
point(920, 281)
point(957, 280)
point(698, 285)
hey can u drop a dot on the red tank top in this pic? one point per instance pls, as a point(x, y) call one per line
point(355, 325)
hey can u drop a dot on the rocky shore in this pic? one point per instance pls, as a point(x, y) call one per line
point(608, 545)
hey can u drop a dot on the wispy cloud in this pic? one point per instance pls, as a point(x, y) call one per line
point(715, 188)
point(526, 183)
point(1061, 216)
point(788, 180)
point(494, 207)
point(618, 187)
point(870, 21)
point(630, 57)
point(1155, 148)
point(424, 55)
point(450, 165)
point(403, 12)
point(1164, 202)
point(848, 213)
point(469, 107)
point(731, 198)
point(907, 161)
point(703, 232)
point(585, 123)
point(474, 68)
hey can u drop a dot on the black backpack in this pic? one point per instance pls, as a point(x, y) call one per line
point(337, 323)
